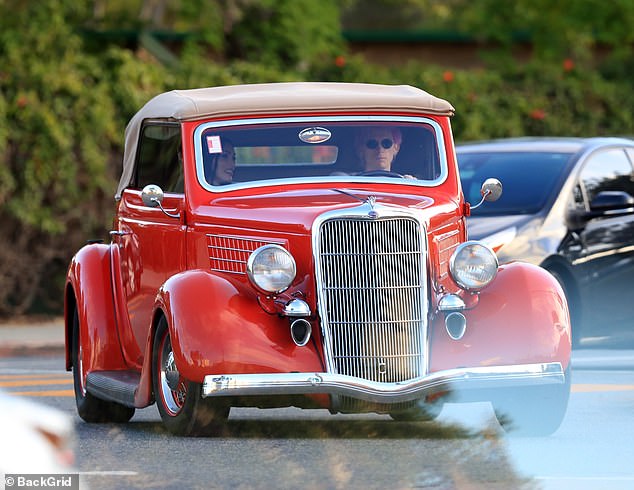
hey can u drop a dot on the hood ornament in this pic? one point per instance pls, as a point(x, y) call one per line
point(370, 201)
point(373, 213)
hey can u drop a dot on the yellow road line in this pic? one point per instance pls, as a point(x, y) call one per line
point(35, 382)
point(592, 388)
point(44, 393)
point(32, 376)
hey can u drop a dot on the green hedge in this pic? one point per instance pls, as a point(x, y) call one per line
point(533, 99)
point(63, 110)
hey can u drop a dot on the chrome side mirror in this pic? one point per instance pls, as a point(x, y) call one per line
point(491, 191)
point(152, 196)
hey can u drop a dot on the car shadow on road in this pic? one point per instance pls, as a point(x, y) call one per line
point(325, 429)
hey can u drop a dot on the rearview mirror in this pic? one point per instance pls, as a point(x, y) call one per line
point(490, 191)
point(605, 204)
point(152, 196)
point(611, 200)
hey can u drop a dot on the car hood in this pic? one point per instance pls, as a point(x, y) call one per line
point(294, 211)
point(479, 227)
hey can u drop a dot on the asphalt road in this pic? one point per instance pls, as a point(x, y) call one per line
point(291, 448)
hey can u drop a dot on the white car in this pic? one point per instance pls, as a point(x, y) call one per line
point(36, 439)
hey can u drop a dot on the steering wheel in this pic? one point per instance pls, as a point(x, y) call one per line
point(382, 173)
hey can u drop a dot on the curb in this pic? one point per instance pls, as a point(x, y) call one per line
point(25, 337)
point(32, 350)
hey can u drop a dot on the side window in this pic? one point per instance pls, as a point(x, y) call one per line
point(608, 170)
point(578, 203)
point(159, 159)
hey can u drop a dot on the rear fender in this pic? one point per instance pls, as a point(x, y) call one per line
point(217, 326)
point(521, 317)
point(89, 289)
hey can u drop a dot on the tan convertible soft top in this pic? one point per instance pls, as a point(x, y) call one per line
point(275, 98)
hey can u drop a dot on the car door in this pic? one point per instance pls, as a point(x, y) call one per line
point(606, 263)
point(151, 240)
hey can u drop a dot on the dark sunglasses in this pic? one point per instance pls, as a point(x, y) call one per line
point(374, 144)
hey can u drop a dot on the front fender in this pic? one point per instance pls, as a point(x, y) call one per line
point(217, 326)
point(520, 318)
point(89, 289)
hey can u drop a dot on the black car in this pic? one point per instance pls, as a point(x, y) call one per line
point(567, 206)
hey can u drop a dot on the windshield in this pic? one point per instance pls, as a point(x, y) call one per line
point(528, 179)
point(408, 150)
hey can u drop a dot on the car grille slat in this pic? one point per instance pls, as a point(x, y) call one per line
point(228, 253)
point(372, 285)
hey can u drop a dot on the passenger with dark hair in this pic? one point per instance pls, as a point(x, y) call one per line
point(222, 164)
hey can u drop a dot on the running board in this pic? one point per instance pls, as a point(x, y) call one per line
point(114, 386)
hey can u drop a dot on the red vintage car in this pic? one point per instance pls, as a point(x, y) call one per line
point(303, 244)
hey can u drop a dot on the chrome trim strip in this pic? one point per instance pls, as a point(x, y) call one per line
point(233, 261)
point(243, 238)
point(472, 378)
point(198, 149)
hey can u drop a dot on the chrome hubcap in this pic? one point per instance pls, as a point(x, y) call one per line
point(173, 388)
point(171, 373)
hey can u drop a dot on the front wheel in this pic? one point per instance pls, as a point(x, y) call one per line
point(89, 407)
point(183, 410)
point(533, 411)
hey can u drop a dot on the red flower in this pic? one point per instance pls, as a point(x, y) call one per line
point(340, 61)
point(22, 101)
point(568, 64)
point(538, 114)
point(447, 76)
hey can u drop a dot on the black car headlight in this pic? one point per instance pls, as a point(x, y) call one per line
point(473, 265)
point(271, 268)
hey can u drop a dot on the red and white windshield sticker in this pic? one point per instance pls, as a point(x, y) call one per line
point(213, 144)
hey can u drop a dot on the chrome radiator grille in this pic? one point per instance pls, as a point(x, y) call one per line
point(372, 286)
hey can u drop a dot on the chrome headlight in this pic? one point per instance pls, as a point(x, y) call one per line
point(473, 265)
point(271, 268)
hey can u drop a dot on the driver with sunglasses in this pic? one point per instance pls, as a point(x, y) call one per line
point(377, 147)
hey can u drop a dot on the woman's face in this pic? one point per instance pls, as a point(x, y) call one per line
point(225, 165)
point(378, 149)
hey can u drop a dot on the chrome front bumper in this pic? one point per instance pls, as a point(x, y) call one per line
point(455, 380)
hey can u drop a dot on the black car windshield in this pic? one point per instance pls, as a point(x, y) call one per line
point(528, 179)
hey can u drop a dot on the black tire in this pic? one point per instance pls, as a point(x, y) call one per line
point(533, 411)
point(89, 407)
point(183, 410)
